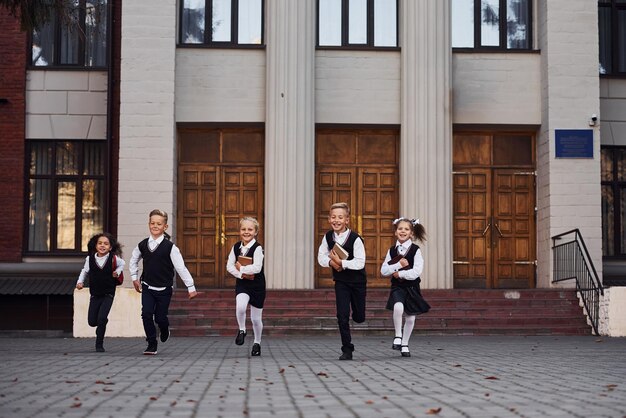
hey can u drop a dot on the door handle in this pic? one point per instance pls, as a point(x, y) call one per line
point(498, 229)
point(486, 229)
point(217, 230)
point(360, 229)
point(223, 235)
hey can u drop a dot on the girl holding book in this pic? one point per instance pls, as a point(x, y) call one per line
point(245, 262)
point(404, 263)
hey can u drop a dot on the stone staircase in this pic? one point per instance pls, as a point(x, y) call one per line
point(456, 312)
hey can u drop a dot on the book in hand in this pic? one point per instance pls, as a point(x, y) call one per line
point(340, 251)
point(397, 259)
point(244, 261)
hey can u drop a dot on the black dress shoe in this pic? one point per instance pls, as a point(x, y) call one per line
point(346, 355)
point(241, 336)
point(165, 334)
point(395, 346)
point(99, 348)
point(405, 353)
point(256, 350)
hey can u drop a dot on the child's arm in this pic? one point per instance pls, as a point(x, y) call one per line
point(181, 269)
point(416, 271)
point(133, 267)
point(83, 274)
point(322, 254)
point(231, 265)
point(119, 263)
point(388, 269)
point(358, 262)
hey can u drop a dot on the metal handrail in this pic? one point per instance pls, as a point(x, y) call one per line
point(571, 260)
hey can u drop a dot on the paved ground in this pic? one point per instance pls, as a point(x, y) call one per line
point(447, 376)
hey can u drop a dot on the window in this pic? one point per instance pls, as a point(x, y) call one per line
point(232, 22)
point(357, 23)
point(612, 28)
point(491, 24)
point(76, 37)
point(66, 182)
point(613, 201)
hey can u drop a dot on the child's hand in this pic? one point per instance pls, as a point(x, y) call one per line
point(115, 274)
point(396, 274)
point(193, 294)
point(336, 266)
point(238, 266)
point(137, 286)
point(403, 262)
point(334, 257)
point(79, 286)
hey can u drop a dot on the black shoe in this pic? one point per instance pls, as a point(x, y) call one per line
point(241, 336)
point(151, 350)
point(346, 355)
point(395, 346)
point(99, 348)
point(256, 350)
point(165, 334)
point(405, 353)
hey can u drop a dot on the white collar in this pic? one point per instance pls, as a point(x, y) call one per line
point(341, 237)
point(406, 244)
point(158, 240)
point(249, 245)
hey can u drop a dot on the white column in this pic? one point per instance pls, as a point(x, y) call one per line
point(289, 138)
point(568, 190)
point(147, 165)
point(425, 139)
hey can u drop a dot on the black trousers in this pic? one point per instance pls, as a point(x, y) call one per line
point(155, 305)
point(349, 295)
point(98, 314)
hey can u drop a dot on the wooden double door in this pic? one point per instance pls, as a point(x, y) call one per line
point(494, 211)
point(358, 167)
point(220, 180)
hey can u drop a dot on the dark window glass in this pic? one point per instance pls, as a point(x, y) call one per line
point(491, 24)
point(357, 23)
point(613, 169)
point(74, 37)
point(232, 22)
point(612, 37)
point(66, 193)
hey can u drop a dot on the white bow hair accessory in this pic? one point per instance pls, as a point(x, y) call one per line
point(413, 221)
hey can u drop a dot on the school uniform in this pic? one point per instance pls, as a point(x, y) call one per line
point(161, 261)
point(254, 288)
point(405, 288)
point(350, 283)
point(101, 289)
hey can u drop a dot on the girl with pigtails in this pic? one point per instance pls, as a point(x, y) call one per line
point(404, 263)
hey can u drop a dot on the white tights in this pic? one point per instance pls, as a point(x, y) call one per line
point(409, 323)
point(255, 316)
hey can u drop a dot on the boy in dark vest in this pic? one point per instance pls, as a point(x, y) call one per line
point(348, 273)
point(161, 261)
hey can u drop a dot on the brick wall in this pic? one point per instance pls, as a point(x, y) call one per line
point(12, 117)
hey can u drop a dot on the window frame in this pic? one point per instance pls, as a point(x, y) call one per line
point(617, 187)
point(502, 26)
point(55, 178)
point(234, 28)
point(345, 29)
point(614, 7)
point(56, 19)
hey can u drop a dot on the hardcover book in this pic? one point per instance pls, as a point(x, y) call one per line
point(340, 251)
point(244, 261)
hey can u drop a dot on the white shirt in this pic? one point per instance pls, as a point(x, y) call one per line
point(257, 260)
point(175, 256)
point(412, 274)
point(101, 261)
point(357, 263)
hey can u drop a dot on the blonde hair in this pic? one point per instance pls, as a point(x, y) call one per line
point(340, 205)
point(250, 219)
point(158, 212)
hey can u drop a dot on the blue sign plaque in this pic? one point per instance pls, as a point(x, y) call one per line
point(574, 143)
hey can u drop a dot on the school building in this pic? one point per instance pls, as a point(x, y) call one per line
point(500, 124)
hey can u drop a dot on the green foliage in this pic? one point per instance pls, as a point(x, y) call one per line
point(35, 13)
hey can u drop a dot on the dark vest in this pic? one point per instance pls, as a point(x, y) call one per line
point(259, 278)
point(410, 257)
point(346, 275)
point(101, 280)
point(158, 269)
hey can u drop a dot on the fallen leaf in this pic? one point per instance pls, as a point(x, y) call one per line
point(221, 397)
point(309, 396)
point(433, 411)
point(439, 349)
point(102, 382)
point(323, 374)
point(190, 400)
point(260, 379)
point(176, 381)
point(72, 381)
point(457, 365)
point(512, 409)
point(245, 412)
point(15, 380)
point(94, 392)
point(611, 386)
point(478, 370)
point(292, 366)
point(486, 394)
point(173, 403)
point(76, 405)
point(369, 402)
point(153, 398)
point(107, 390)
point(65, 354)
point(76, 398)
point(243, 389)
point(281, 371)
point(491, 378)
